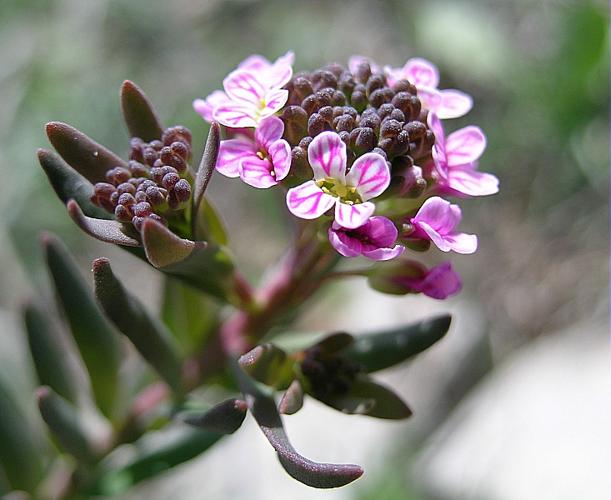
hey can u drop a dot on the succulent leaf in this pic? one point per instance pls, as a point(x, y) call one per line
point(207, 164)
point(292, 400)
point(149, 336)
point(224, 418)
point(140, 117)
point(269, 365)
point(95, 338)
point(87, 157)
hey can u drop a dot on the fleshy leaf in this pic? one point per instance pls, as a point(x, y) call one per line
point(292, 400)
point(66, 425)
point(156, 452)
point(207, 164)
point(20, 458)
point(86, 156)
point(139, 114)
point(95, 338)
point(149, 336)
point(224, 418)
point(52, 366)
point(376, 351)
point(335, 342)
point(109, 231)
point(162, 246)
point(316, 475)
point(69, 184)
point(367, 397)
point(269, 365)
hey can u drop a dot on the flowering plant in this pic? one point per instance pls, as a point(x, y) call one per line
point(363, 162)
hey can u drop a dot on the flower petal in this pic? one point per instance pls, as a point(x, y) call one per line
point(462, 242)
point(439, 282)
point(244, 86)
point(308, 201)
point(384, 253)
point(370, 175)
point(327, 156)
point(272, 102)
point(353, 216)
point(421, 72)
point(255, 62)
point(439, 214)
point(231, 152)
point(205, 108)
point(269, 130)
point(465, 145)
point(235, 115)
point(467, 181)
point(382, 231)
point(343, 242)
point(438, 240)
point(257, 172)
point(430, 98)
point(280, 154)
point(281, 71)
point(454, 104)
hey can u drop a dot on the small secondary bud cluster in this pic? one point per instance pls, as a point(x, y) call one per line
point(153, 184)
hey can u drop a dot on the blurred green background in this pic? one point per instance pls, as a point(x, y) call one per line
point(539, 74)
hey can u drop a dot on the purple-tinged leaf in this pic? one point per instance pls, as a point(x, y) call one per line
point(109, 231)
point(269, 365)
point(292, 400)
point(316, 475)
point(86, 156)
point(69, 184)
point(149, 336)
point(67, 426)
point(335, 342)
point(207, 164)
point(139, 114)
point(377, 351)
point(224, 418)
point(162, 246)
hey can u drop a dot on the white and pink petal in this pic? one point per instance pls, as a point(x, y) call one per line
point(231, 152)
point(235, 115)
point(421, 72)
point(454, 104)
point(465, 145)
point(327, 157)
point(370, 175)
point(280, 156)
point(244, 86)
point(353, 216)
point(308, 201)
point(257, 172)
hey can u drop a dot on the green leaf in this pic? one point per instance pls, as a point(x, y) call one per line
point(47, 348)
point(95, 338)
point(138, 112)
point(210, 225)
point(189, 314)
point(149, 336)
point(224, 418)
point(367, 397)
point(20, 458)
point(292, 400)
point(66, 425)
point(69, 184)
point(200, 264)
point(83, 154)
point(269, 365)
point(316, 475)
point(109, 231)
point(156, 452)
point(376, 351)
point(206, 166)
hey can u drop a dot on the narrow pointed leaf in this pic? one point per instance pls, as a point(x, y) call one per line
point(109, 231)
point(20, 457)
point(147, 334)
point(69, 184)
point(292, 400)
point(156, 453)
point(224, 418)
point(367, 397)
point(269, 365)
point(190, 315)
point(376, 351)
point(95, 337)
point(138, 112)
point(87, 157)
point(207, 164)
point(66, 425)
point(209, 224)
point(52, 366)
point(200, 264)
point(316, 475)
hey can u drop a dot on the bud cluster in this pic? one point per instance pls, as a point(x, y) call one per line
point(153, 184)
point(367, 114)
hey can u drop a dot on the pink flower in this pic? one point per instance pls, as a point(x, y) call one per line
point(262, 161)
point(456, 161)
point(436, 221)
point(252, 92)
point(439, 282)
point(349, 193)
point(425, 76)
point(374, 239)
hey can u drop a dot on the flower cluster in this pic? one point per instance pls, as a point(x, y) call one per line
point(360, 150)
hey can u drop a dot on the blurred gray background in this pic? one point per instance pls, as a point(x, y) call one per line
point(514, 403)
